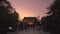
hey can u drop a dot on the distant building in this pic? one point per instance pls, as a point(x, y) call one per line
point(30, 20)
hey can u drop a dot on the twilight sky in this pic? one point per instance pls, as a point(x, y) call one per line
point(29, 8)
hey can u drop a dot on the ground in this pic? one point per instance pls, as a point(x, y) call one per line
point(29, 31)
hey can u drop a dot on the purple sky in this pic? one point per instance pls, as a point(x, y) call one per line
point(31, 8)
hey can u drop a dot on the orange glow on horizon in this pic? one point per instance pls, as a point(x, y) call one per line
point(25, 13)
point(31, 8)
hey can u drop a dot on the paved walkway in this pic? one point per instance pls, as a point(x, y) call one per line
point(29, 31)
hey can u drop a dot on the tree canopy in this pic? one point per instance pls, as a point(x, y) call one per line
point(53, 18)
point(8, 16)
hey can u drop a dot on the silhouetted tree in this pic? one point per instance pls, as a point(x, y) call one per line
point(45, 21)
point(54, 10)
point(54, 18)
point(13, 20)
point(8, 17)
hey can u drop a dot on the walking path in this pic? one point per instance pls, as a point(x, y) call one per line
point(29, 31)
